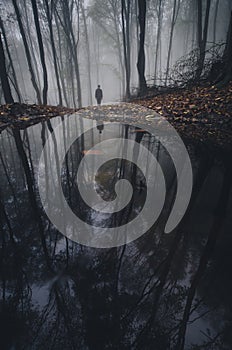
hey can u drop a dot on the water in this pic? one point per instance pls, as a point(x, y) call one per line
point(158, 292)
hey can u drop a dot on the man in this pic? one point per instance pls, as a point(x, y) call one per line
point(98, 95)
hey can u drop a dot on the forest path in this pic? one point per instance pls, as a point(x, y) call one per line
point(202, 115)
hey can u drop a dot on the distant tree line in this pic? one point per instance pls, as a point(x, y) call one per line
point(60, 47)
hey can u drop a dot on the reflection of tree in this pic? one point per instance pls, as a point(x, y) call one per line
point(6, 171)
point(50, 128)
point(15, 304)
point(220, 214)
point(136, 296)
point(31, 191)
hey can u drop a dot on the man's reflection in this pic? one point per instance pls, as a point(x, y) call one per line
point(100, 126)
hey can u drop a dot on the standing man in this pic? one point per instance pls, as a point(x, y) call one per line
point(99, 95)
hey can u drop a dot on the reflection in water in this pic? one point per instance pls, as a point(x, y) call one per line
point(159, 292)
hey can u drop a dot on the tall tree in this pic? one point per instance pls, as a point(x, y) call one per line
point(64, 12)
point(176, 6)
point(41, 50)
point(202, 35)
point(215, 21)
point(141, 56)
point(158, 37)
point(60, 60)
point(49, 14)
point(226, 74)
point(15, 81)
point(3, 75)
point(88, 52)
point(125, 14)
point(27, 51)
point(26, 12)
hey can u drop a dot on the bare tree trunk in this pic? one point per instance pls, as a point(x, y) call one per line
point(27, 51)
point(31, 43)
point(118, 44)
point(16, 85)
point(3, 75)
point(60, 63)
point(128, 43)
point(88, 53)
point(176, 7)
point(226, 74)
point(49, 13)
point(41, 50)
point(202, 36)
point(215, 21)
point(67, 25)
point(125, 13)
point(160, 9)
point(141, 55)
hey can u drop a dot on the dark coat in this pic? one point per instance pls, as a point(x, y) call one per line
point(98, 94)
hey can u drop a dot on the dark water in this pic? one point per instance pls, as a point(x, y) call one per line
point(159, 292)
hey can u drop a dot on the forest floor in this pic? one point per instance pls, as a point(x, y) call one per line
point(203, 114)
point(200, 113)
point(22, 115)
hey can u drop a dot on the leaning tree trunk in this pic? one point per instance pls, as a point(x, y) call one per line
point(27, 51)
point(15, 81)
point(3, 75)
point(41, 50)
point(141, 56)
point(31, 41)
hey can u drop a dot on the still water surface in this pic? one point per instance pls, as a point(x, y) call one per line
point(159, 292)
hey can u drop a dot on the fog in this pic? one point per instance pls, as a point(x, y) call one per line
point(93, 31)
